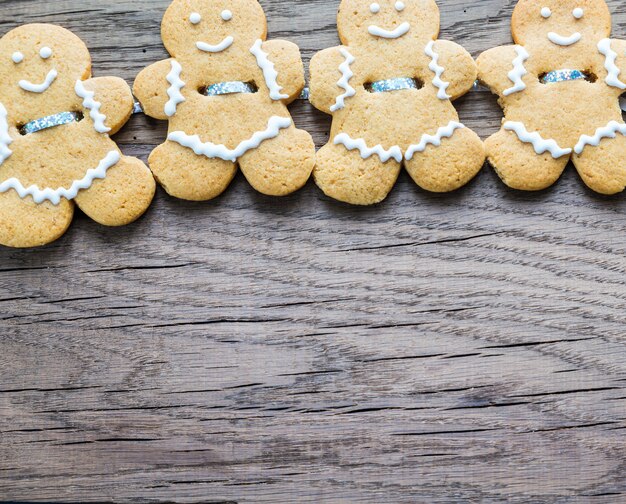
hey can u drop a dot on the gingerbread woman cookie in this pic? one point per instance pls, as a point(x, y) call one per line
point(389, 89)
point(559, 88)
point(225, 93)
point(55, 150)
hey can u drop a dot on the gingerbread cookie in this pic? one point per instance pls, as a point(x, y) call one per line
point(225, 94)
point(389, 89)
point(55, 150)
point(559, 88)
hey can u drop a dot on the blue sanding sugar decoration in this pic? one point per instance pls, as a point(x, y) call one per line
point(225, 88)
point(385, 86)
point(563, 76)
point(50, 122)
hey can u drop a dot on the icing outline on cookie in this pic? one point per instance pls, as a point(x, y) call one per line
point(395, 152)
point(39, 88)
point(174, 91)
point(426, 140)
point(518, 72)
point(612, 79)
point(608, 131)
point(540, 144)
point(344, 82)
point(366, 152)
point(221, 47)
point(269, 71)
point(400, 31)
point(214, 151)
point(54, 196)
point(5, 138)
point(438, 70)
point(93, 106)
point(557, 39)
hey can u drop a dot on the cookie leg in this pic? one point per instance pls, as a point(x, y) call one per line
point(185, 175)
point(25, 224)
point(120, 198)
point(603, 168)
point(519, 166)
point(282, 165)
point(449, 166)
point(345, 176)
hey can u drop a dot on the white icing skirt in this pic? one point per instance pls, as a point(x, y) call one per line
point(54, 196)
point(214, 151)
point(396, 152)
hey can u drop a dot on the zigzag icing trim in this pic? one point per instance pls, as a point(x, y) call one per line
point(176, 85)
point(609, 131)
point(5, 138)
point(539, 144)
point(54, 195)
point(359, 144)
point(93, 106)
point(443, 132)
point(519, 71)
point(344, 82)
point(438, 70)
point(269, 71)
point(213, 151)
point(612, 79)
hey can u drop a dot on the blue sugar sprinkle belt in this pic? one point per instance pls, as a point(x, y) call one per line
point(225, 88)
point(563, 76)
point(50, 122)
point(385, 86)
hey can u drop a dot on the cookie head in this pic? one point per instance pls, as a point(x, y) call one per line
point(402, 23)
point(41, 63)
point(560, 24)
point(205, 28)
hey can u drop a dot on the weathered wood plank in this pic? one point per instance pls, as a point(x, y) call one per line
point(436, 348)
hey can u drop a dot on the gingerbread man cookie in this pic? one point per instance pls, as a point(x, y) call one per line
point(389, 89)
point(559, 88)
point(225, 93)
point(55, 150)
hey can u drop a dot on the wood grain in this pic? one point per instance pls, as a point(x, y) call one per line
point(457, 348)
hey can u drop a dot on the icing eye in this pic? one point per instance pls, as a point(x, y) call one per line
point(578, 13)
point(546, 12)
point(400, 6)
point(45, 52)
point(17, 57)
point(374, 8)
point(195, 18)
point(227, 15)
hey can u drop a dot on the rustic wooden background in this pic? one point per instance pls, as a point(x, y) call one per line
point(459, 348)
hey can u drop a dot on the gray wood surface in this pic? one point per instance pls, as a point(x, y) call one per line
point(458, 348)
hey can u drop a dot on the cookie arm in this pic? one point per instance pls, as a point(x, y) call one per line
point(495, 65)
point(115, 99)
point(288, 64)
point(151, 87)
point(460, 69)
point(324, 79)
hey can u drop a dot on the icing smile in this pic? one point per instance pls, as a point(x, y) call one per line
point(39, 88)
point(557, 39)
point(400, 31)
point(222, 46)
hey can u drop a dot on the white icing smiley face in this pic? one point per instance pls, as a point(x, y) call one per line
point(195, 19)
point(400, 31)
point(561, 40)
point(44, 53)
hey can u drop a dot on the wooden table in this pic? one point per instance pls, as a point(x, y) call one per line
point(436, 348)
